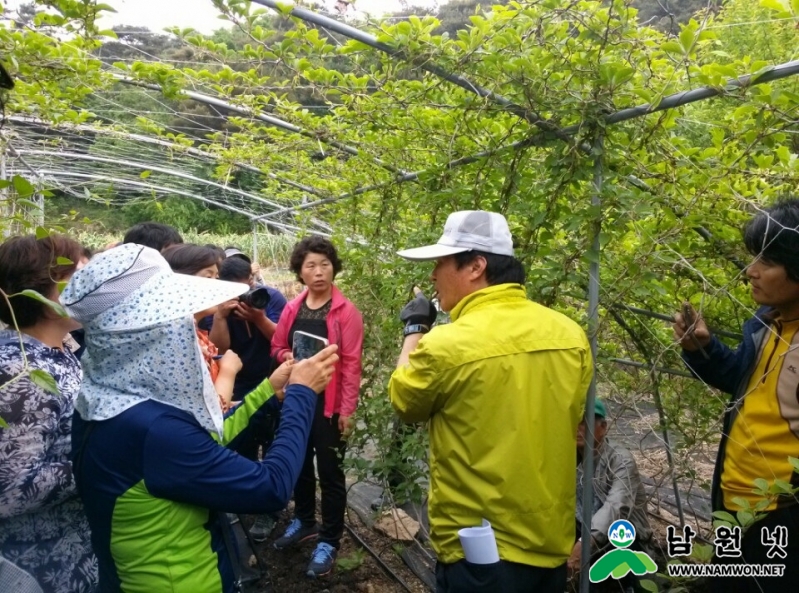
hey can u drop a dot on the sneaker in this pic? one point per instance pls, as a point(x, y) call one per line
point(262, 528)
point(296, 534)
point(232, 518)
point(322, 561)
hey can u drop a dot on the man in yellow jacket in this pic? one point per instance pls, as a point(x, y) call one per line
point(504, 388)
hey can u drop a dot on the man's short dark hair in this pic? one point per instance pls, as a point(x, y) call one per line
point(774, 235)
point(500, 269)
point(235, 269)
point(153, 234)
point(314, 244)
point(190, 259)
point(28, 263)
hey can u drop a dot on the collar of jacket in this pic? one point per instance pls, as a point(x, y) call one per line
point(484, 296)
point(338, 299)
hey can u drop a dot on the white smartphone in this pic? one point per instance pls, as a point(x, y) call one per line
point(306, 345)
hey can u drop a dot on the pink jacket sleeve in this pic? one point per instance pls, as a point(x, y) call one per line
point(280, 341)
point(350, 359)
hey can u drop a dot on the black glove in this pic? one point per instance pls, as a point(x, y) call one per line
point(419, 311)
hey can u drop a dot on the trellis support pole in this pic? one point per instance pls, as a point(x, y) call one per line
point(255, 241)
point(593, 332)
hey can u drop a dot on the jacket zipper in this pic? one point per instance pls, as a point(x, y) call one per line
point(773, 350)
point(729, 418)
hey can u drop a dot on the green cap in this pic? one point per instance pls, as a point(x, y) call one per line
point(599, 409)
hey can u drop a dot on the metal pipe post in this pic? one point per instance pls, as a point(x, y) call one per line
point(255, 241)
point(593, 332)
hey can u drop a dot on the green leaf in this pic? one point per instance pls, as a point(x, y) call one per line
point(285, 8)
point(145, 174)
point(702, 553)
point(28, 203)
point(63, 261)
point(44, 380)
point(44, 300)
point(745, 518)
point(795, 463)
point(761, 486)
point(762, 505)
point(42, 233)
point(774, 5)
point(105, 7)
point(648, 585)
point(687, 39)
point(725, 516)
point(672, 47)
point(23, 187)
point(782, 487)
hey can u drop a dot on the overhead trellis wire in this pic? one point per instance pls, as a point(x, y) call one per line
point(370, 40)
point(173, 173)
point(675, 100)
point(548, 129)
point(169, 168)
point(266, 118)
point(77, 129)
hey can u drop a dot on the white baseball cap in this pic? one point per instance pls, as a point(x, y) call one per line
point(132, 287)
point(465, 231)
point(233, 252)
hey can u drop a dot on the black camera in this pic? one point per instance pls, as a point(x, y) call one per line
point(257, 298)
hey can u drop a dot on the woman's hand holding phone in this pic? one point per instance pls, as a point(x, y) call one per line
point(280, 377)
point(315, 372)
point(306, 345)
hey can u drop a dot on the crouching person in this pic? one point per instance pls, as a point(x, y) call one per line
point(618, 494)
point(151, 450)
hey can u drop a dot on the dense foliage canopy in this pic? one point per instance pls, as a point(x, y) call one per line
point(675, 186)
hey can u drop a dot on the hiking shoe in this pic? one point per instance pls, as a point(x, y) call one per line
point(262, 528)
point(296, 534)
point(322, 561)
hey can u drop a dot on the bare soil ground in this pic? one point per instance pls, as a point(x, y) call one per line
point(356, 571)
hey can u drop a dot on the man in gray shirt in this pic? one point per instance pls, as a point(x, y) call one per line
point(618, 491)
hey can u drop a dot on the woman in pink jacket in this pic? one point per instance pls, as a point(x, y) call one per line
point(322, 310)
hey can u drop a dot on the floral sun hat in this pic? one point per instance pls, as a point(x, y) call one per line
point(132, 287)
point(140, 338)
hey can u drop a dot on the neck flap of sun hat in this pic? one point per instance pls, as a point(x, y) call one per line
point(140, 335)
point(161, 363)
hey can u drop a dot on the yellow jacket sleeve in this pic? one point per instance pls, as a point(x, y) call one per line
point(415, 388)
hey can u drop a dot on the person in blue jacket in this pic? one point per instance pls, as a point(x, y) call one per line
point(761, 424)
point(153, 456)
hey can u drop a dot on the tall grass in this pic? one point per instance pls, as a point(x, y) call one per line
point(273, 250)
